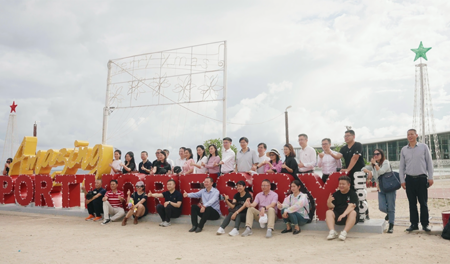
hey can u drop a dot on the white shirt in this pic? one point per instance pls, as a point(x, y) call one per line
point(116, 165)
point(328, 163)
point(307, 156)
point(171, 163)
point(180, 162)
point(228, 158)
point(203, 169)
point(264, 157)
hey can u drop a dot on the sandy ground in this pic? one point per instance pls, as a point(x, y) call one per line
point(36, 238)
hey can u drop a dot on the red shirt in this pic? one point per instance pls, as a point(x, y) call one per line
point(113, 198)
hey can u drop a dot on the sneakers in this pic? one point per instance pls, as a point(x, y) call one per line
point(97, 218)
point(234, 232)
point(220, 231)
point(269, 233)
point(162, 223)
point(106, 221)
point(343, 235)
point(166, 224)
point(90, 217)
point(332, 235)
point(247, 232)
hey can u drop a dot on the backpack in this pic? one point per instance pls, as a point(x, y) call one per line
point(446, 231)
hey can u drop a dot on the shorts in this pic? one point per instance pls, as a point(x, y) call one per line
point(342, 222)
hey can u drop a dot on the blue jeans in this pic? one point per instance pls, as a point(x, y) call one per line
point(294, 218)
point(386, 204)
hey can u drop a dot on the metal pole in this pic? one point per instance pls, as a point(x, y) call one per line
point(224, 132)
point(287, 126)
point(422, 102)
point(106, 109)
point(35, 129)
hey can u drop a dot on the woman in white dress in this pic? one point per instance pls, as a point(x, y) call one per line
point(115, 165)
point(202, 159)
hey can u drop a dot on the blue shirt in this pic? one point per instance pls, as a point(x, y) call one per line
point(415, 161)
point(210, 198)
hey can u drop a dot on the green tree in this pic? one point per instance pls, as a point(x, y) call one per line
point(219, 144)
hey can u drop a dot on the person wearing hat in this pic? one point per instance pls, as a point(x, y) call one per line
point(273, 165)
point(139, 207)
point(162, 166)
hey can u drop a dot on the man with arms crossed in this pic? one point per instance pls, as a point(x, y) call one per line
point(342, 209)
point(416, 175)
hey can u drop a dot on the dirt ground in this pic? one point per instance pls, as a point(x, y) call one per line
point(38, 238)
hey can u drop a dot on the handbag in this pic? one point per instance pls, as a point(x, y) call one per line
point(389, 182)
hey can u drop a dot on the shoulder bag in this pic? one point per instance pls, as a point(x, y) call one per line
point(389, 182)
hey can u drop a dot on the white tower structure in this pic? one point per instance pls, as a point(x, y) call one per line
point(10, 145)
point(423, 117)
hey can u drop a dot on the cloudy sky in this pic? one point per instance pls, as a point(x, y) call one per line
point(336, 63)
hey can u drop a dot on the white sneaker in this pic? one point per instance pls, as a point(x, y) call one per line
point(234, 232)
point(343, 235)
point(332, 235)
point(166, 224)
point(220, 231)
point(247, 232)
point(162, 223)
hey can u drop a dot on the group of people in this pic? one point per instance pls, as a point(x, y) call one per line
point(416, 175)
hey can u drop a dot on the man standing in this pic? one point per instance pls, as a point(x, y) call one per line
point(262, 147)
point(112, 204)
point(266, 202)
point(172, 164)
point(353, 156)
point(145, 166)
point(94, 203)
point(416, 175)
point(209, 209)
point(342, 209)
point(307, 155)
point(245, 158)
point(228, 157)
point(328, 160)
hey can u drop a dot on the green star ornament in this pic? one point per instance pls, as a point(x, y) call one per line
point(421, 52)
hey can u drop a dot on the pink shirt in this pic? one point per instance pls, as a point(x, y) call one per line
point(210, 164)
point(265, 200)
point(277, 166)
point(187, 166)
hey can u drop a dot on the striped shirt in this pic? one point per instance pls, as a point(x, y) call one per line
point(113, 198)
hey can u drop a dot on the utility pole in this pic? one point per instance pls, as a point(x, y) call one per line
point(286, 124)
point(35, 129)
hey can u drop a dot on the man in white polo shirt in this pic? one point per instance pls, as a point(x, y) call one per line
point(307, 155)
point(228, 157)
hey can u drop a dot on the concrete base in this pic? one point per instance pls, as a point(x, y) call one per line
point(369, 226)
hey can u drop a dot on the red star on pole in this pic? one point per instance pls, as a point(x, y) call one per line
point(13, 107)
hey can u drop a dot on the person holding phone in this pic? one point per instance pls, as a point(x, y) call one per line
point(237, 210)
point(7, 164)
point(379, 165)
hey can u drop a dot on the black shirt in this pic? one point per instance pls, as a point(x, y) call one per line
point(341, 201)
point(174, 197)
point(131, 166)
point(347, 154)
point(147, 165)
point(162, 168)
point(292, 164)
point(97, 191)
point(137, 198)
point(241, 200)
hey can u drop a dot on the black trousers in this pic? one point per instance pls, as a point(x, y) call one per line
point(168, 212)
point(416, 189)
point(209, 214)
point(325, 177)
point(96, 206)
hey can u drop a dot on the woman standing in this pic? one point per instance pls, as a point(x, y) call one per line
point(130, 164)
point(212, 164)
point(188, 167)
point(139, 209)
point(116, 166)
point(274, 164)
point(294, 209)
point(201, 160)
point(379, 165)
point(290, 165)
point(161, 165)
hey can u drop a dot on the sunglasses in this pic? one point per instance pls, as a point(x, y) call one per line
point(271, 154)
point(8, 161)
point(157, 152)
point(139, 186)
point(376, 154)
